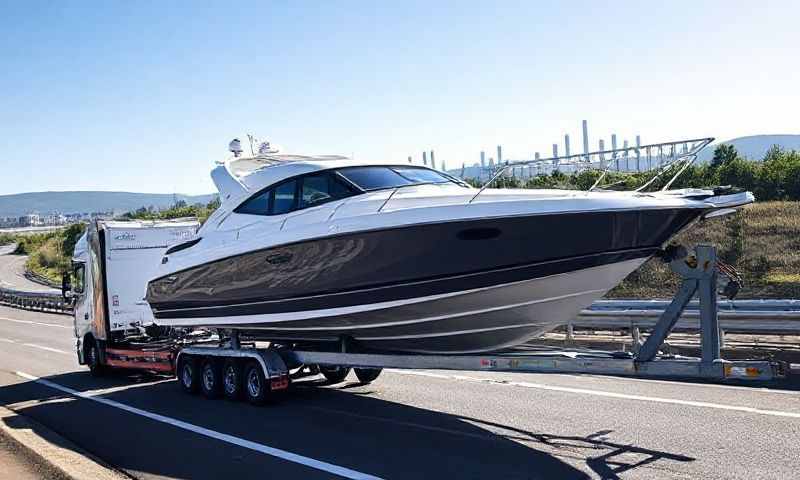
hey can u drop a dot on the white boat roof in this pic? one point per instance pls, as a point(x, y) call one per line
point(243, 166)
point(237, 178)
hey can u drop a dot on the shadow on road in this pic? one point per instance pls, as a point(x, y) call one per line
point(348, 426)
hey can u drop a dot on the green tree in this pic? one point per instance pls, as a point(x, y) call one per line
point(724, 154)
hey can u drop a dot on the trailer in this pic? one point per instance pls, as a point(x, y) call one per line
point(115, 328)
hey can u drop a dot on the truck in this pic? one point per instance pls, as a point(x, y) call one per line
point(115, 329)
point(111, 263)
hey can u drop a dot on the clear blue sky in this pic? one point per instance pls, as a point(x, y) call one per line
point(144, 96)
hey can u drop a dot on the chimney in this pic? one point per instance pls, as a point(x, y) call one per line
point(433, 161)
point(566, 145)
point(586, 139)
point(424, 158)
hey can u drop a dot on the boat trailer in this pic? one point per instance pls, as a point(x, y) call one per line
point(699, 275)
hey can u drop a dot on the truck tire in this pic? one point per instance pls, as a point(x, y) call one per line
point(211, 379)
point(188, 376)
point(96, 369)
point(232, 379)
point(334, 373)
point(367, 375)
point(256, 387)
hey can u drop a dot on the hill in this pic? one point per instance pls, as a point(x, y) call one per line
point(753, 147)
point(89, 201)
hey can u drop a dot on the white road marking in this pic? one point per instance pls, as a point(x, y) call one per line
point(602, 393)
point(241, 442)
point(47, 349)
point(693, 385)
point(30, 322)
point(7, 340)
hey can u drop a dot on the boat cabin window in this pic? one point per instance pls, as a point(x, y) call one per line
point(378, 177)
point(421, 175)
point(322, 188)
point(257, 205)
point(374, 178)
point(284, 199)
point(302, 192)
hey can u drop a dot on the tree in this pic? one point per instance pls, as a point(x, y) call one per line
point(724, 154)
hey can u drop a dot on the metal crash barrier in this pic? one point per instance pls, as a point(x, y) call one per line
point(41, 301)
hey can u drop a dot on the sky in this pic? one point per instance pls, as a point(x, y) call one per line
point(145, 96)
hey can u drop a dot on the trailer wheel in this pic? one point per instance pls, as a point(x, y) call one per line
point(256, 387)
point(188, 375)
point(96, 368)
point(211, 379)
point(367, 375)
point(334, 373)
point(232, 380)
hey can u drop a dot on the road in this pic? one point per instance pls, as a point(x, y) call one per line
point(431, 424)
point(12, 269)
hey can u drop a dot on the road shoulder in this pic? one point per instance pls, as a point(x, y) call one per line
point(56, 455)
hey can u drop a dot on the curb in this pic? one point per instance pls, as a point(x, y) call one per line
point(49, 449)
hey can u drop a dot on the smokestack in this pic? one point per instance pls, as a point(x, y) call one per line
point(444, 169)
point(586, 139)
point(602, 155)
point(638, 153)
point(409, 159)
point(424, 158)
point(433, 161)
point(614, 147)
point(499, 154)
point(566, 145)
point(536, 156)
point(483, 159)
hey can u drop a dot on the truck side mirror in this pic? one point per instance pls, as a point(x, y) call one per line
point(66, 287)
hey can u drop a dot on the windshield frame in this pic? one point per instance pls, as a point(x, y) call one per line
point(394, 168)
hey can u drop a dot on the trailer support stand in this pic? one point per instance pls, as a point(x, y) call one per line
point(699, 276)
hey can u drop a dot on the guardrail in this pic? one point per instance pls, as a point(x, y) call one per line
point(773, 317)
point(42, 301)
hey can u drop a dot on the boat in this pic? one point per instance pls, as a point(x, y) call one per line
point(405, 258)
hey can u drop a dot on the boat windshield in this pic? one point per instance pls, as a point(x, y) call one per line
point(379, 177)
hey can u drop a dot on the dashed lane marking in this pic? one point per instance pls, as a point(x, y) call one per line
point(31, 322)
point(47, 349)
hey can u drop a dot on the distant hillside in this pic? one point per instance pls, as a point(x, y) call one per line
point(753, 147)
point(78, 202)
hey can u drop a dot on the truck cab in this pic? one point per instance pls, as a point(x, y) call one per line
point(111, 265)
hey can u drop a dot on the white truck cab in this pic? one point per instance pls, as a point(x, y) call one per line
point(111, 265)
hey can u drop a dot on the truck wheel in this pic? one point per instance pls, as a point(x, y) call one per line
point(256, 387)
point(96, 368)
point(232, 380)
point(367, 375)
point(187, 373)
point(211, 379)
point(334, 373)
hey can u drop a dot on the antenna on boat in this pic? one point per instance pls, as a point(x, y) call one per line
point(252, 140)
point(235, 147)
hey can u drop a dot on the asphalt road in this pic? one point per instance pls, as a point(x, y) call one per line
point(405, 425)
point(12, 269)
